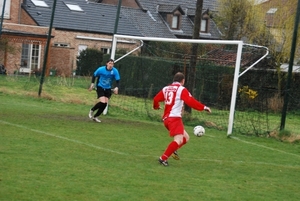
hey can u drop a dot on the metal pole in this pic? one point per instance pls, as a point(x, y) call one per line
point(290, 70)
point(47, 48)
point(2, 16)
point(116, 27)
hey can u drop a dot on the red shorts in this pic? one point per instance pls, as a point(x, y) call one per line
point(174, 126)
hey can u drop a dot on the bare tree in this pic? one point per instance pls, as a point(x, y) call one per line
point(190, 77)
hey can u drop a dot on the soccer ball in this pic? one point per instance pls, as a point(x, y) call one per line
point(199, 131)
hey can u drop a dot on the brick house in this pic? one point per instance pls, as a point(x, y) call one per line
point(81, 24)
point(19, 32)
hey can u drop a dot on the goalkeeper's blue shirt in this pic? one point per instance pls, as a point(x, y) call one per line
point(106, 77)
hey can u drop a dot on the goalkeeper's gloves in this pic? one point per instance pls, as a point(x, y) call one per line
point(91, 87)
point(116, 90)
point(207, 109)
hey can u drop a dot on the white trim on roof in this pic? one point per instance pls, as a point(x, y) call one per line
point(151, 16)
point(104, 39)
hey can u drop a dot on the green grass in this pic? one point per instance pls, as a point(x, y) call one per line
point(74, 90)
point(50, 150)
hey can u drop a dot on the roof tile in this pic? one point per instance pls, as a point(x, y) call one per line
point(100, 18)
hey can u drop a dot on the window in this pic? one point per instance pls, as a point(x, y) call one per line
point(61, 45)
point(105, 50)
point(80, 48)
point(6, 10)
point(39, 3)
point(25, 56)
point(175, 22)
point(35, 56)
point(203, 25)
point(30, 57)
point(73, 7)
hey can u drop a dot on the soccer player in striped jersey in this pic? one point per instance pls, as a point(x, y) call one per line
point(174, 96)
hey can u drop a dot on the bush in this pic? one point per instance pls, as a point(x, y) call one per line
point(284, 133)
point(88, 61)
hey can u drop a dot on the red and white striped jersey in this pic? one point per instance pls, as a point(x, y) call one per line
point(174, 97)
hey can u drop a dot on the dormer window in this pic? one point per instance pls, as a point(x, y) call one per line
point(171, 14)
point(175, 22)
point(204, 23)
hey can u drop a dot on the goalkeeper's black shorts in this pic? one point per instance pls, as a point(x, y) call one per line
point(103, 92)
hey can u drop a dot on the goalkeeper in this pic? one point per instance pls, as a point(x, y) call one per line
point(106, 75)
point(174, 97)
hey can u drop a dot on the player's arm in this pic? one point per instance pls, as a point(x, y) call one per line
point(117, 78)
point(159, 97)
point(192, 102)
point(92, 82)
point(116, 89)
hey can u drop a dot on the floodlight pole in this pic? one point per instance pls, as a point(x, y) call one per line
point(2, 16)
point(47, 48)
point(290, 70)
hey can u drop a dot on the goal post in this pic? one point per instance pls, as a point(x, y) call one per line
point(237, 61)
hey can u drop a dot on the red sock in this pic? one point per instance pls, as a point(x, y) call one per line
point(173, 146)
point(183, 143)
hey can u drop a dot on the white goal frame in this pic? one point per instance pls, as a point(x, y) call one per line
point(228, 42)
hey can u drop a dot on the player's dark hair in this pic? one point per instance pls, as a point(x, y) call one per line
point(178, 77)
point(110, 60)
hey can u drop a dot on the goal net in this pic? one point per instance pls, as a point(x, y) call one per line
point(215, 75)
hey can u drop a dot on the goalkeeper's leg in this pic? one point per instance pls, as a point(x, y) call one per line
point(101, 106)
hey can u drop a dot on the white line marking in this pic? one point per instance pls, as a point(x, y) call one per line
point(64, 138)
point(246, 162)
point(122, 153)
point(265, 147)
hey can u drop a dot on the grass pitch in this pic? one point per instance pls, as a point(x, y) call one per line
point(50, 150)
